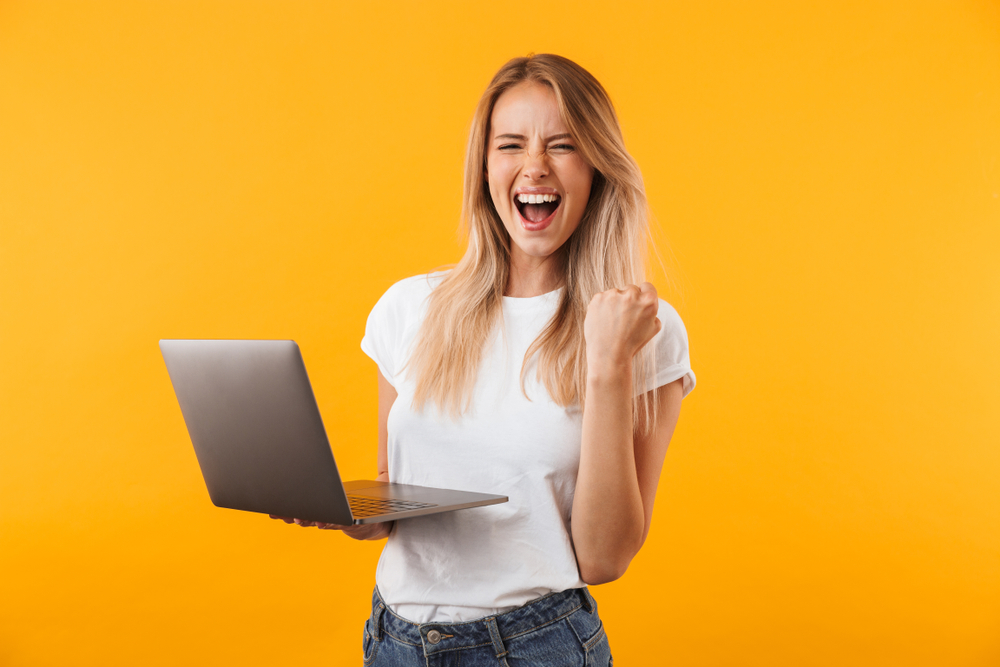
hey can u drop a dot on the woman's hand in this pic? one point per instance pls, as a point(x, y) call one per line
point(368, 531)
point(618, 323)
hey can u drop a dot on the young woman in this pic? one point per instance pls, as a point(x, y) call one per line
point(542, 367)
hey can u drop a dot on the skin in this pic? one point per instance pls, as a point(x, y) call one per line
point(620, 466)
point(530, 147)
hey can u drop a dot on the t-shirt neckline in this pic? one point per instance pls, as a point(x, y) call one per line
point(532, 302)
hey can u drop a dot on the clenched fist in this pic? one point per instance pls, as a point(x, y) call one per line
point(619, 323)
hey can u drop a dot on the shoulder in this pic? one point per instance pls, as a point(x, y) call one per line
point(405, 301)
point(673, 325)
point(414, 289)
point(394, 321)
point(408, 295)
point(672, 360)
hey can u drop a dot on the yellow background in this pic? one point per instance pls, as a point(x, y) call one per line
point(825, 178)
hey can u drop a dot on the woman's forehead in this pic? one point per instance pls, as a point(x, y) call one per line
point(527, 109)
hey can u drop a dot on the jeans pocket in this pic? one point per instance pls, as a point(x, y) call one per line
point(596, 639)
point(368, 645)
point(593, 640)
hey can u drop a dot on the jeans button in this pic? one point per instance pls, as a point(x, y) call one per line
point(433, 636)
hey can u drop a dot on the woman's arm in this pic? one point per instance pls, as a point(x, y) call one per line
point(386, 397)
point(619, 464)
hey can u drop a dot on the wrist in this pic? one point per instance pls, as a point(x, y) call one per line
point(384, 530)
point(609, 371)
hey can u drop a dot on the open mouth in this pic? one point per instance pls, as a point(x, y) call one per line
point(537, 209)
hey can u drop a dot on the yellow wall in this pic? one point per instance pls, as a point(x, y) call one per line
point(826, 179)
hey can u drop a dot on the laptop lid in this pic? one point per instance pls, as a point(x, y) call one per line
point(256, 428)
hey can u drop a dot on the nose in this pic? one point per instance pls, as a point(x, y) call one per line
point(536, 165)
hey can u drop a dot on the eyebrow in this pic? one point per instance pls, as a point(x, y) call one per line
point(564, 135)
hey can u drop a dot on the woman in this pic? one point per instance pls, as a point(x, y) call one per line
point(526, 371)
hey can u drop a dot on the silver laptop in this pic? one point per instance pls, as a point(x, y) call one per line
point(261, 445)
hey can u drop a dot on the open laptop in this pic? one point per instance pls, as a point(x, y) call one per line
point(261, 445)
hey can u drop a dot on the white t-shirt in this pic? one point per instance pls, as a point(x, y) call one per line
point(458, 566)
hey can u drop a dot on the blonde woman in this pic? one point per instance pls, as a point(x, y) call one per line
point(542, 367)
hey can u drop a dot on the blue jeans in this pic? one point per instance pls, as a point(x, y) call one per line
point(555, 630)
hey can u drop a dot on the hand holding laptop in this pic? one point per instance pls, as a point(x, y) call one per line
point(366, 531)
point(370, 531)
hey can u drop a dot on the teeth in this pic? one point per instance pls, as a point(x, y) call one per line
point(537, 199)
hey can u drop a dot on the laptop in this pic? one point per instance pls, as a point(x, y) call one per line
point(261, 445)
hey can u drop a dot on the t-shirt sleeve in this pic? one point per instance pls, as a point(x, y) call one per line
point(671, 352)
point(393, 323)
point(381, 341)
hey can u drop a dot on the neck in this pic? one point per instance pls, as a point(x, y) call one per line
point(533, 276)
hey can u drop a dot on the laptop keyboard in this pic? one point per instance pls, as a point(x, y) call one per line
point(362, 506)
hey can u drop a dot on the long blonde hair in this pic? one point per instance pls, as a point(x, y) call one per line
point(607, 250)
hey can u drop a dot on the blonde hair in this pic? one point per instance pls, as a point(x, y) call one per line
point(607, 250)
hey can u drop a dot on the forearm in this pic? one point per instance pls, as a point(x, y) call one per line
point(608, 519)
point(371, 531)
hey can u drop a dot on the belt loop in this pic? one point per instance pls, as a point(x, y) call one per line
point(588, 601)
point(498, 646)
point(377, 621)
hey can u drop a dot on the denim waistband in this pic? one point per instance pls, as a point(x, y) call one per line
point(438, 637)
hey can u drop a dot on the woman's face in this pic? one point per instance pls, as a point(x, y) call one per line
point(539, 182)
